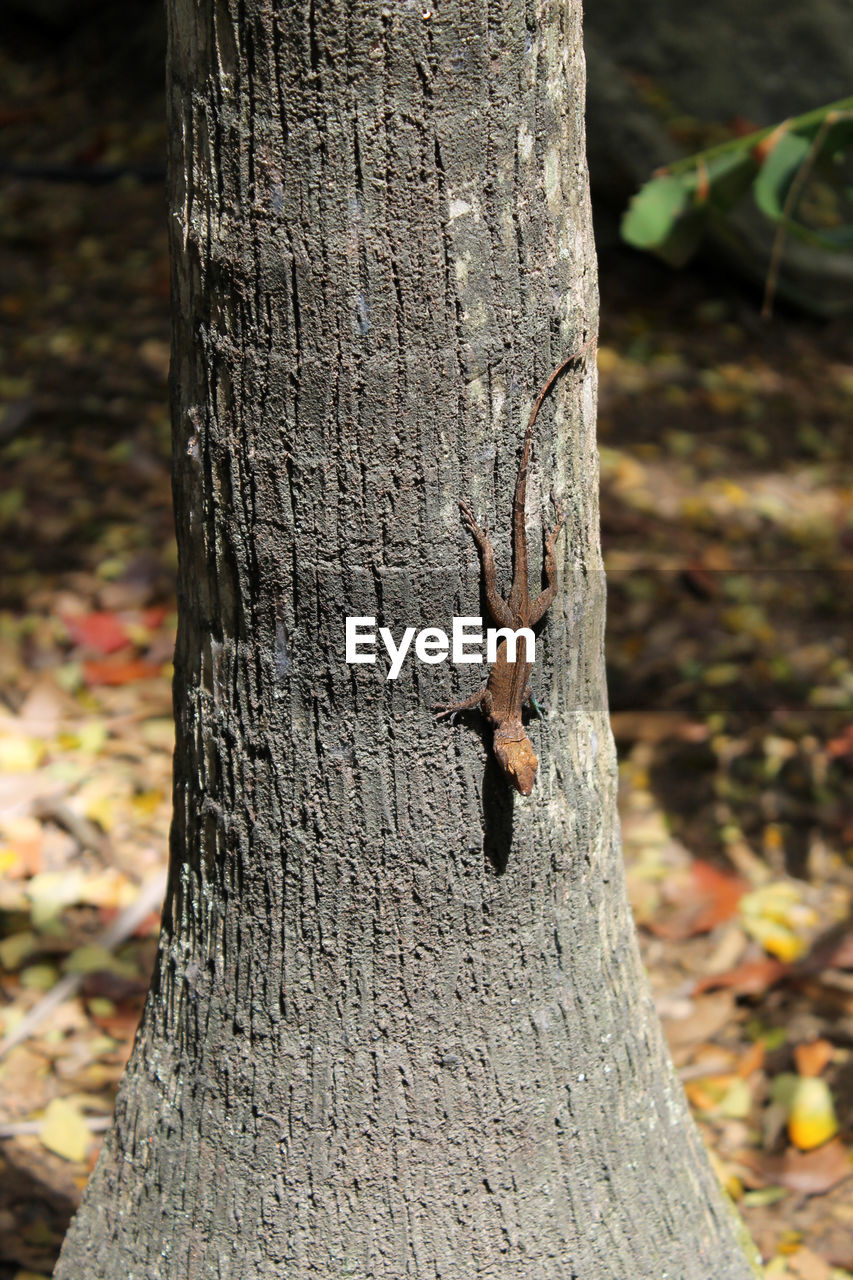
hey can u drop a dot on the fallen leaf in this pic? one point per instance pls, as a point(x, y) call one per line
point(15, 949)
point(811, 1119)
point(812, 1173)
point(777, 918)
point(50, 892)
point(64, 1130)
point(736, 1102)
point(752, 1060)
point(805, 1264)
point(707, 897)
point(39, 977)
point(103, 633)
point(721, 892)
point(93, 958)
point(20, 753)
point(117, 673)
point(764, 1196)
point(811, 1058)
point(754, 977)
point(704, 1019)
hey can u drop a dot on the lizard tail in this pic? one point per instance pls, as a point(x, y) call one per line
point(521, 480)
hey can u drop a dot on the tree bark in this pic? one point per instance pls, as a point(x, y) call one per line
point(398, 1026)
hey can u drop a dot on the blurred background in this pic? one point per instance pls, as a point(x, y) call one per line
point(727, 476)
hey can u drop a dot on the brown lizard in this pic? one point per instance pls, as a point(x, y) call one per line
point(507, 689)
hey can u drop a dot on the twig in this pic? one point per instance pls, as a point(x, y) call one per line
point(788, 209)
point(150, 896)
point(19, 1128)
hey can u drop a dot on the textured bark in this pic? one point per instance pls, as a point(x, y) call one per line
point(398, 1026)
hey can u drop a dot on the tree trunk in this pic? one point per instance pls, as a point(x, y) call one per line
point(399, 1026)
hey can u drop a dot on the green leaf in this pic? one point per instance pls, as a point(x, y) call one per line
point(729, 178)
point(654, 210)
point(778, 172)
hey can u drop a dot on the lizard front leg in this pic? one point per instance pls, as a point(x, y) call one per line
point(542, 602)
point(498, 608)
point(528, 699)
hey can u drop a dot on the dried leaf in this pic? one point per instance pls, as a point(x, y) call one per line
point(20, 753)
point(776, 917)
point(64, 1130)
point(110, 672)
point(51, 891)
point(736, 1102)
point(811, 1058)
point(754, 977)
point(810, 1173)
point(752, 1060)
point(805, 1264)
point(15, 949)
point(706, 898)
point(103, 633)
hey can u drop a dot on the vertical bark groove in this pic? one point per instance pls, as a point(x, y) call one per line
point(399, 1026)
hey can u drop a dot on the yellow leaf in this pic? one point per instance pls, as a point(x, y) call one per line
point(776, 939)
point(734, 494)
point(811, 1120)
point(15, 949)
point(92, 735)
point(51, 891)
point(776, 916)
point(20, 754)
point(102, 810)
point(10, 860)
point(94, 959)
point(109, 888)
point(776, 1269)
point(736, 1102)
point(101, 1007)
point(40, 977)
point(64, 1130)
point(88, 959)
point(144, 803)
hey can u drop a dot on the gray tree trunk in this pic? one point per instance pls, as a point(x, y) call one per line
point(398, 1026)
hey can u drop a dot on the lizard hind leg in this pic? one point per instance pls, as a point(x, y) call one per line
point(498, 607)
point(540, 605)
point(450, 708)
point(560, 514)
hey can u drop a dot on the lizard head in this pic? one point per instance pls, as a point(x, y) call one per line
point(517, 759)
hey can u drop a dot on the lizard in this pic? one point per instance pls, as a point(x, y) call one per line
point(507, 689)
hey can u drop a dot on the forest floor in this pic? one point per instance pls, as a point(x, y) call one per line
point(727, 478)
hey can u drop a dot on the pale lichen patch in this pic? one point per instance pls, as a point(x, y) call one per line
point(498, 401)
point(552, 177)
point(462, 266)
point(476, 391)
point(458, 208)
point(525, 141)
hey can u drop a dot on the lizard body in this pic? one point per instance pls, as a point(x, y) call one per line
point(507, 688)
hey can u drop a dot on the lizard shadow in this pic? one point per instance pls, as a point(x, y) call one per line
point(498, 806)
point(497, 796)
